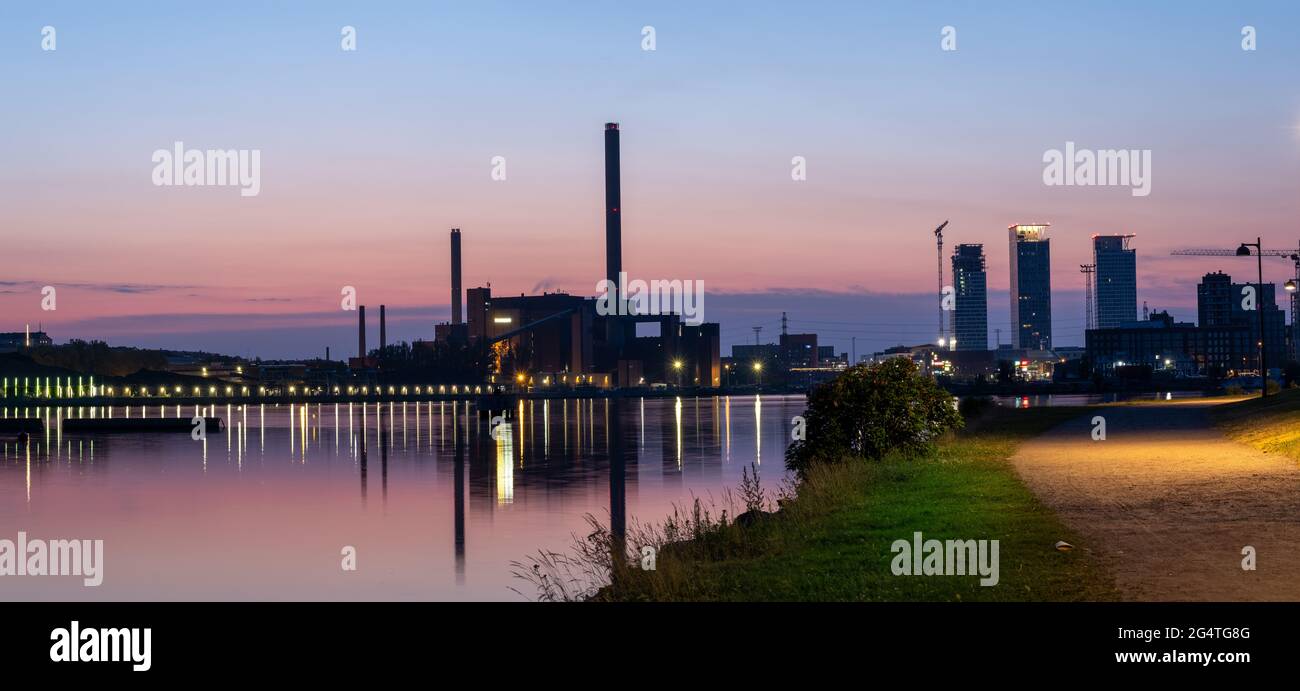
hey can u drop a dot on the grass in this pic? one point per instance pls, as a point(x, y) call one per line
point(832, 542)
point(1270, 424)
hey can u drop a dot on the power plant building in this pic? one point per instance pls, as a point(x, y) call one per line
point(563, 337)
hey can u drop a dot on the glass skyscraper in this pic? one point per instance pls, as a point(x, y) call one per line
point(970, 319)
point(1116, 277)
point(1031, 286)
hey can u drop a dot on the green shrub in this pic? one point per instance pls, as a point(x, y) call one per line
point(1234, 390)
point(872, 410)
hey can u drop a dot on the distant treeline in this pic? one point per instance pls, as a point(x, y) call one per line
point(98, 358)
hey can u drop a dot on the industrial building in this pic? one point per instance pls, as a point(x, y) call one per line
point(557, 339)
point(14, 341)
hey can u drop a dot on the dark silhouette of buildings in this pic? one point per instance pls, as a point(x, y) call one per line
point(1221, 303)
point(1223, 344)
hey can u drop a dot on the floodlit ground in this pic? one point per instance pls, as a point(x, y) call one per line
point(1168, 502)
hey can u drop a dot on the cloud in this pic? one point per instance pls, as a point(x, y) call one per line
point(120, 288)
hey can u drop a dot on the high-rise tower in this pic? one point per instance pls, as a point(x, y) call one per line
point(1115, 280)
point(1031, 286)
point(971, 312)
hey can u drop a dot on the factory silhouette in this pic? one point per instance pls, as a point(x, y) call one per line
point(560, 340)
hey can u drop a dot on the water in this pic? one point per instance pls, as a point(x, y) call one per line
point(1078, 399)
point(263, 509)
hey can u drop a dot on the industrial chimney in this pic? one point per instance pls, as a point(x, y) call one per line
point(455, 276)
point(383, 331)
point(613, 219)
point(361, 331)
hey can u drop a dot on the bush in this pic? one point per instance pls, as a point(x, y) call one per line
point(1234, 390)
point(872, 410)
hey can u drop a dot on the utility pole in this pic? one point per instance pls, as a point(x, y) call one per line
point(756, 330)
point(1090, 314)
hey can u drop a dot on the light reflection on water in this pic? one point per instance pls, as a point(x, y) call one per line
point(1077, 399)
point(262, 508)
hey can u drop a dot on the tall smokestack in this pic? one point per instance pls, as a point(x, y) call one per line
point(383, 330)
point(455, 276)
point(613, 202)
point(361, 331)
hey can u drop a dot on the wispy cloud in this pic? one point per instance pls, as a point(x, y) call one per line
point(120, 288)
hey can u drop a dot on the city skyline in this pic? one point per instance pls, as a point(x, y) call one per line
point(356, 166)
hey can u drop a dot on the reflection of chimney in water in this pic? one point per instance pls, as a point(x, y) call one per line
point(458, 496)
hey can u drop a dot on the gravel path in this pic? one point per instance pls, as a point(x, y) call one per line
point(1168, 503)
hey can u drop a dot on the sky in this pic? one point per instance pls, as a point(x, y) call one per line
point(368, 157)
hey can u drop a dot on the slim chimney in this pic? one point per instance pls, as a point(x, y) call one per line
point(383, 331)
point(455, 276)
point(361, 331)
point(613, 219)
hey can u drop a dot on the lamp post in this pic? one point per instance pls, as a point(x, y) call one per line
point(1291, 288)
point(1244, 251)
point(758, 372)
point(677, 365)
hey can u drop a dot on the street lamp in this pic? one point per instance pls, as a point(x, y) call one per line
point(1244, 251)
point(758, 372)
point(677, 365)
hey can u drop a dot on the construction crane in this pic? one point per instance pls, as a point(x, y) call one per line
point(1292, 286)
point(938, 237)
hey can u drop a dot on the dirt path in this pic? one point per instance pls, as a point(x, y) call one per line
point(1168, 503)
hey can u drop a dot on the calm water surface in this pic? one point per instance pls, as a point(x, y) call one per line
point(1076, 399)
point(262, 509)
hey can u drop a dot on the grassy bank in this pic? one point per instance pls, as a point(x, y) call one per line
point(832, 542)
point(1271, 424)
